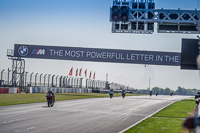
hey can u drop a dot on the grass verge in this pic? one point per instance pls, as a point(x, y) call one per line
point(158, 125)
point(15, 99)
point(169, 120)
point(179, 109)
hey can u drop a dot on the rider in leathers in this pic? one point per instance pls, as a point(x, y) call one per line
point(51, 92)
point(123, 93)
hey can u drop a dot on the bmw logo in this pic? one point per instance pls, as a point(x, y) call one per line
point(23, 50)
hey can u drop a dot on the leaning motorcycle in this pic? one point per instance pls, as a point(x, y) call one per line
point(50, 100)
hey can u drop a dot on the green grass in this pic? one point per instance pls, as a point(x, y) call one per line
point(15, 99)
point(166, 121)
point(178, 110)
point(158, 125)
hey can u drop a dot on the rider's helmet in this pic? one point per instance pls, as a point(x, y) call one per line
point(49, 90)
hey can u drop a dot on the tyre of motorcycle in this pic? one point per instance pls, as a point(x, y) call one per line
point(48, 102)
point(52, 103)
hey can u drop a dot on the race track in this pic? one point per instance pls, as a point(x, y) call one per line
point(99, 115)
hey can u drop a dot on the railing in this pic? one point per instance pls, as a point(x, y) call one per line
point(10, 53)
point(134, 1)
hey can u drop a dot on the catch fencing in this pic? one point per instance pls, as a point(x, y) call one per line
point(40, 80)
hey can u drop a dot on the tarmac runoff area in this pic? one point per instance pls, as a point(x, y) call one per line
point(99, 115)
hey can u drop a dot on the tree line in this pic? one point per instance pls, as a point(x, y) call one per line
point(168, 91)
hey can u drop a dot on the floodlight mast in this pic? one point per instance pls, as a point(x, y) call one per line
point(142, 16)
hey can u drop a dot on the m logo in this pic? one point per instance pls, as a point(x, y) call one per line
point(38, 52)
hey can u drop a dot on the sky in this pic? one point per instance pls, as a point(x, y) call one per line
point(85, 23)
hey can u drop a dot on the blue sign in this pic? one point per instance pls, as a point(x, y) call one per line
point(97, 55)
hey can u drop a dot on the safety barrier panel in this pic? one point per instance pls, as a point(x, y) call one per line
point(36, 90)
point(13, 90)
point(7, 90)
point(58, 90)
point(4, 90)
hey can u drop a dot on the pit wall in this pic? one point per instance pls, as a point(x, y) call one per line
point(58, 90)
point(9, 90)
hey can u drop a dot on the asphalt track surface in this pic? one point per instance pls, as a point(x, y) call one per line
point(99, 115)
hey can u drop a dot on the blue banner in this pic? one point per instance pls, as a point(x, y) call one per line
point(97, 55)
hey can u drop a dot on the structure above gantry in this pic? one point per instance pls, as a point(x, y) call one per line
point(140, 16)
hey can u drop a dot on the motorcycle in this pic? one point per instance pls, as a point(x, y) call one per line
point(150, 93)
point(111, 94)
point(50, 100)
point(123, 95)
